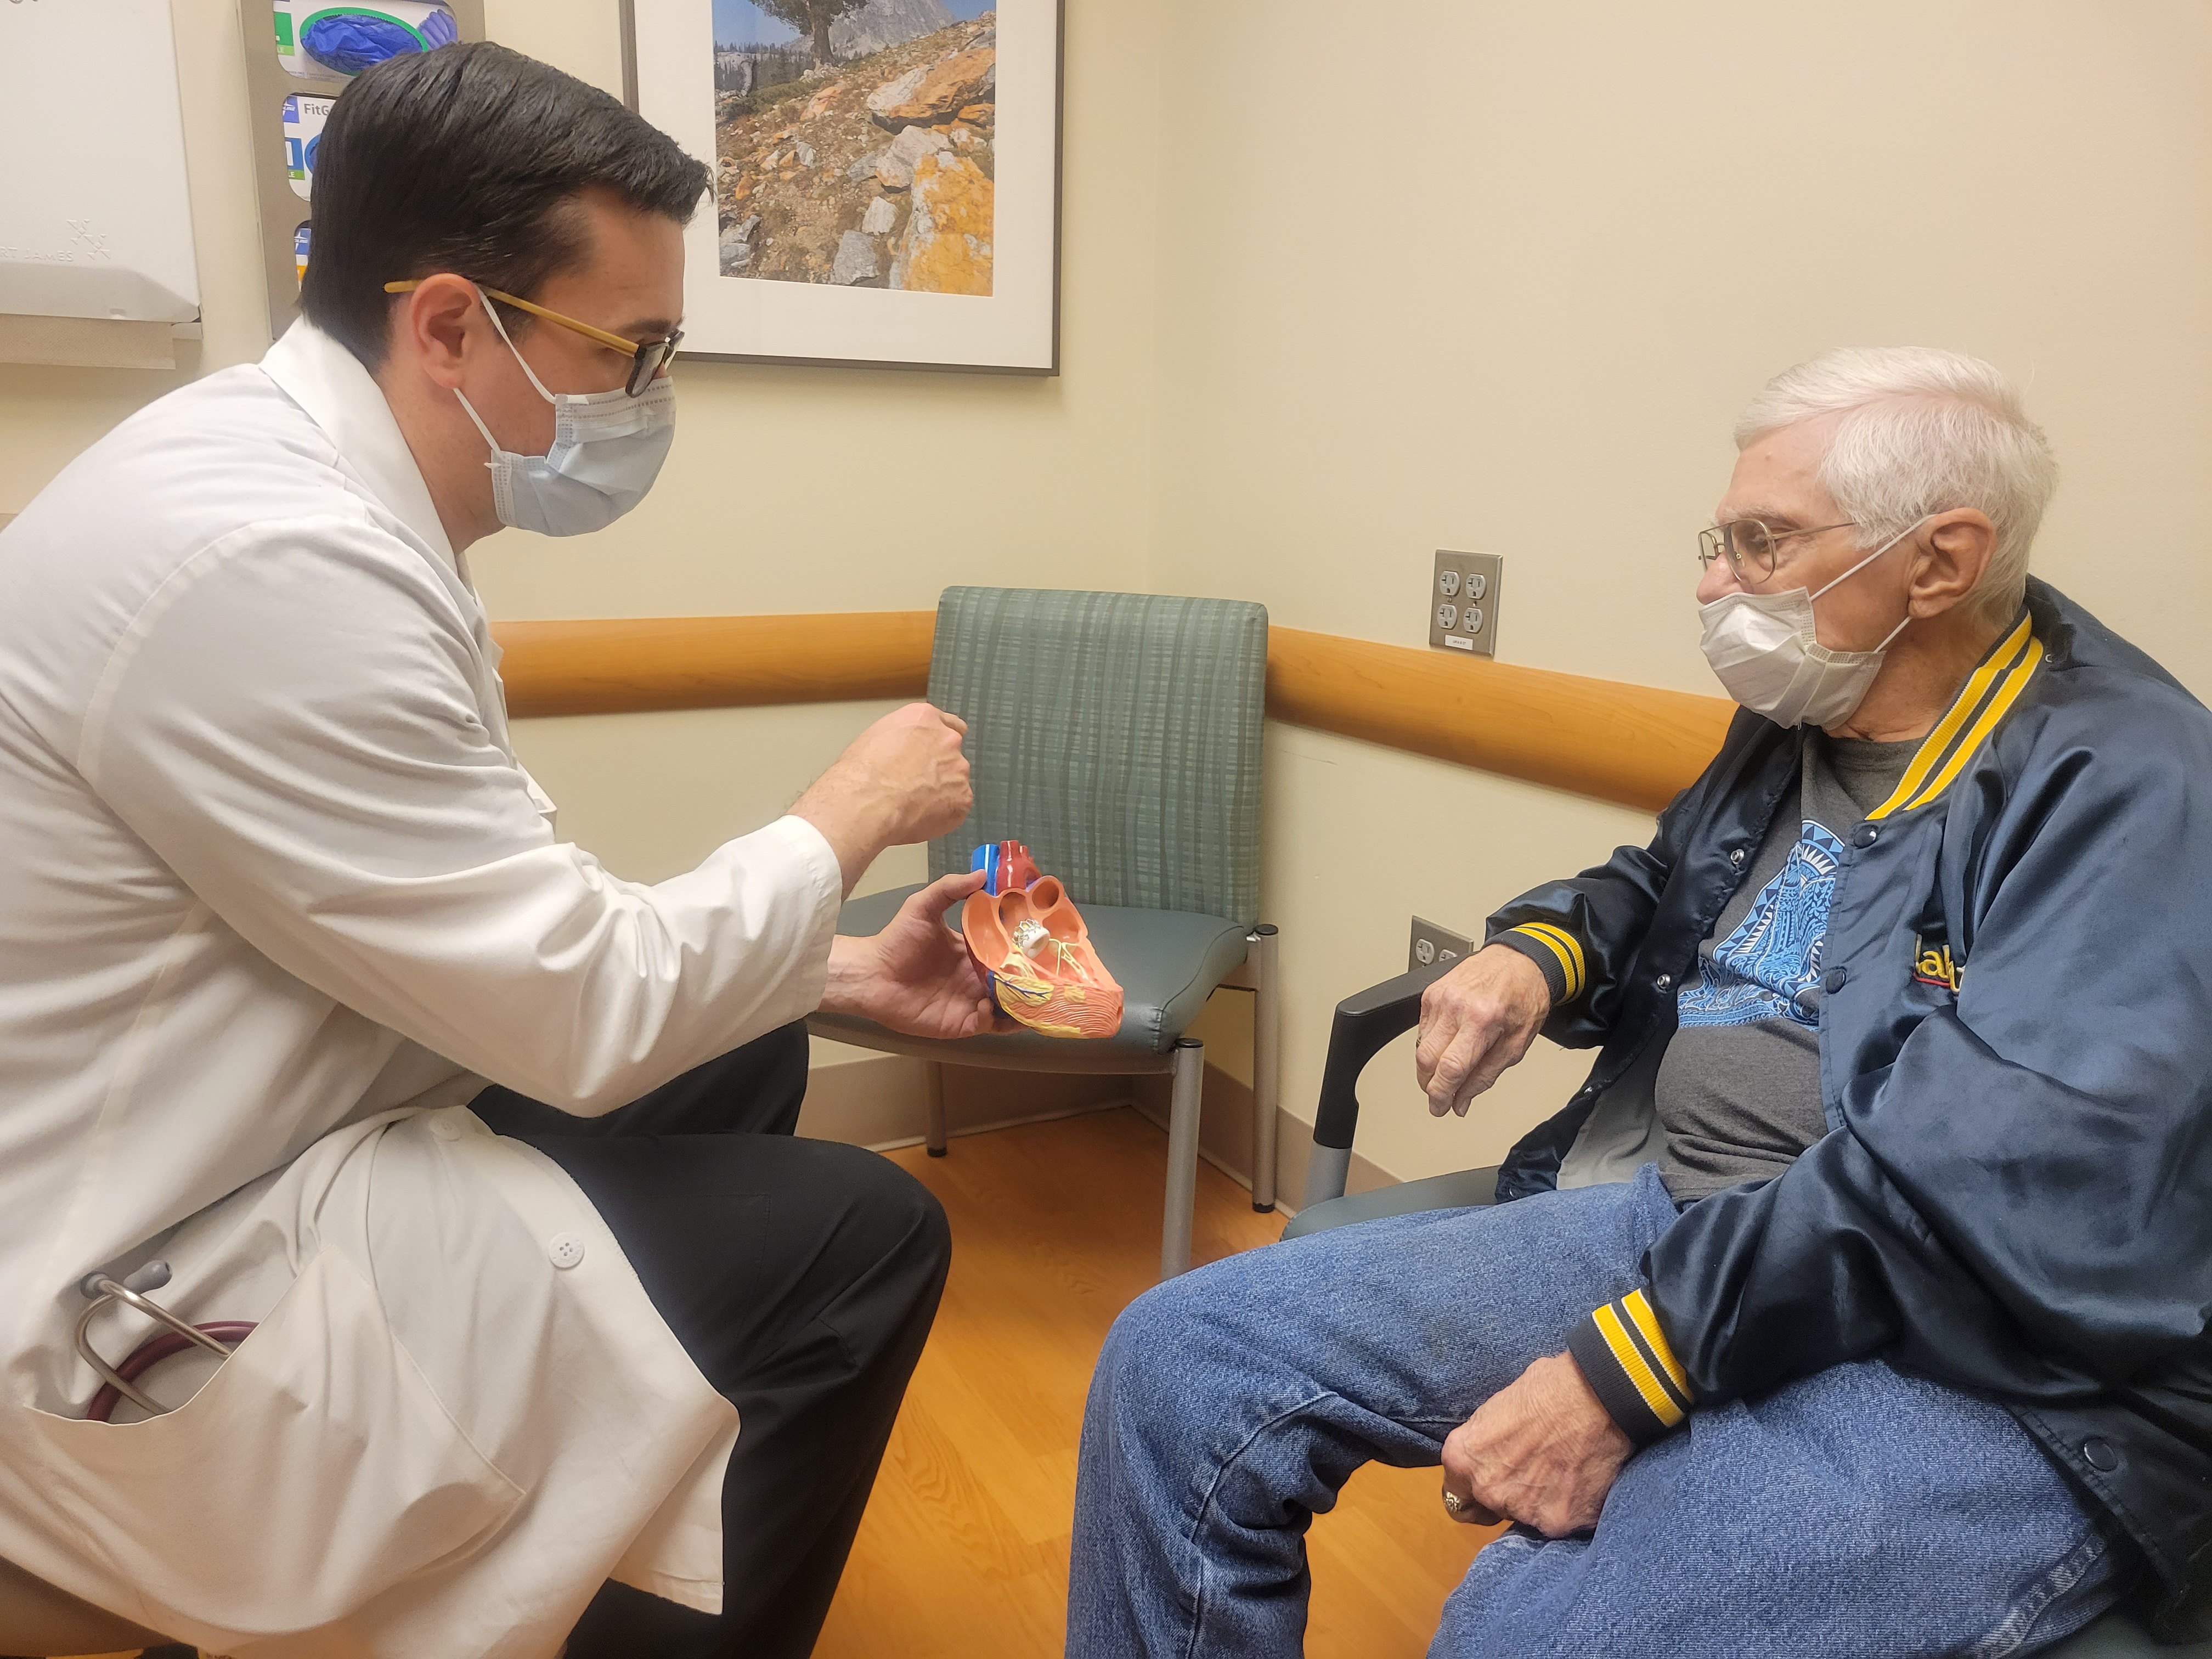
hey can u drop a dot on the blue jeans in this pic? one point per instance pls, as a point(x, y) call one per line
point(1856, 1512)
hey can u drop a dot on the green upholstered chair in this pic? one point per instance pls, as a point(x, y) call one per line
point(1364, 1023)
point(1118, 735)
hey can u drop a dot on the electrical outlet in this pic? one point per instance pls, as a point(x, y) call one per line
point(1431, 944)
point(1463, 601)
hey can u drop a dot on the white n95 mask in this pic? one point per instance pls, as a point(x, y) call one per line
point(607, 450)
point(1768, 659)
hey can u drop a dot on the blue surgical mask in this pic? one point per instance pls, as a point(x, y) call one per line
point(607, 450)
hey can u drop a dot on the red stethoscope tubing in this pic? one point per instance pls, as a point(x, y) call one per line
point(151, 1353)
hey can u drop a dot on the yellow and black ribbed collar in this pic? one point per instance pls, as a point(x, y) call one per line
point(1987, 697)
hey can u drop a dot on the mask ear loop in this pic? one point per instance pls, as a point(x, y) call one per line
point(491, 442)
point(492, 311)
point(1872, 557)
point(1869, 559)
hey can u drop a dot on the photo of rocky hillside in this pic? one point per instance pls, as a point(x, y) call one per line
point(853, 143)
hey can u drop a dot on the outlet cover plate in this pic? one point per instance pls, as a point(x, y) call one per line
point(1432, 944)
point(1464, 602)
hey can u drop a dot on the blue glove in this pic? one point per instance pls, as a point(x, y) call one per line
point(349, 42)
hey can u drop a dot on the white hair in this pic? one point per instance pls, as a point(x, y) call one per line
point(1924, 431)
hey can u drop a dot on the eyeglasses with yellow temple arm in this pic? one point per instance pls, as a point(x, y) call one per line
point(646, 358)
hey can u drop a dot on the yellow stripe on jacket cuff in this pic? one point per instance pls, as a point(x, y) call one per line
point(1625, 1358)
point(1563, 945)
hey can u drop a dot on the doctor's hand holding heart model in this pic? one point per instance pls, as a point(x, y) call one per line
point(556, 1334)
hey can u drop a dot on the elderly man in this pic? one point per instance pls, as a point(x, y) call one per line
point(1857, 1304)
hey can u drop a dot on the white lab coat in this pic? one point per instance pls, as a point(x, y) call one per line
point(276, 897)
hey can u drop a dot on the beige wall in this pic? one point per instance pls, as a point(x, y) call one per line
point(1470, 275)
point(1510, 290)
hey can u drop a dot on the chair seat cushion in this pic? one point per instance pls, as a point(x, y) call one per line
point(1455, 1191)
point(1168, 963)
point(2119, 1636)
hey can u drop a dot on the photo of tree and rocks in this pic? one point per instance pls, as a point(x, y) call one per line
point(853, 142)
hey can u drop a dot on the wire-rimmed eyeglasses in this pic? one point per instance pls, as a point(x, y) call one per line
point(1752, 547)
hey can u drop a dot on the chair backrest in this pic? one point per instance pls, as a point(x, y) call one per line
point(1117, 734)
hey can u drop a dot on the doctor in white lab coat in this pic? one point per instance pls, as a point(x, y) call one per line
point(301, 993)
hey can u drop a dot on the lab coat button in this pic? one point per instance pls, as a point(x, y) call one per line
point(1833, 980)
point(1735, 858)
point(445, 1129)
point(566, 1249)
point(2100, 1456)
point(1866, 835)
point(1664, 981)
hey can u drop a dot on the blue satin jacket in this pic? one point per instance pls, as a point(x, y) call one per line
point(2014, 1196)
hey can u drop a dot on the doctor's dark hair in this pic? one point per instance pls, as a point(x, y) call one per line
point(468, 159)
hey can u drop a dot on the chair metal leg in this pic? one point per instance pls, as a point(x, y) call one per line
point(1266, 1063)
point(933, 1084)
point(1182, 1157)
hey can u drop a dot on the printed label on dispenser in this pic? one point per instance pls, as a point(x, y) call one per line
point(304, 115)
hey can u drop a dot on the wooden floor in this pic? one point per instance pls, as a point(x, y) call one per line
point(1055, 1227)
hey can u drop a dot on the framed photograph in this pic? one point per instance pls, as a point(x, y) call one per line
point(886, 176)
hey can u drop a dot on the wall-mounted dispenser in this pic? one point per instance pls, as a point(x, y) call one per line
point(96, 260)
point(299, 56)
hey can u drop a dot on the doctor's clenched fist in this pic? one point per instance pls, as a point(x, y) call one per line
point(903, 780)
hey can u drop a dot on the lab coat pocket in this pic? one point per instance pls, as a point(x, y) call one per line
point(314, 1470)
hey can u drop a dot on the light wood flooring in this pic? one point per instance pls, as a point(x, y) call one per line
point(1055, 1227)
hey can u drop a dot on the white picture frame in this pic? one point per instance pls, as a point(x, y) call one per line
point(670, 71)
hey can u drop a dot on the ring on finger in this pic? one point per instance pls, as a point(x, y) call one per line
point(1454, 1505)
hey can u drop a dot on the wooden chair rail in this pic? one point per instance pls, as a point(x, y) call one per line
point(1632, 743)
point(629, 665)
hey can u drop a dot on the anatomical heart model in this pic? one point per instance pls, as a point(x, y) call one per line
point(1025, 932)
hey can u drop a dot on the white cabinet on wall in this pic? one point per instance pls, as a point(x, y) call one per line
point(96, 262)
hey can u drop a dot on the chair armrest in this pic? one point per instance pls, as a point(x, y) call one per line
point(1365, 1022)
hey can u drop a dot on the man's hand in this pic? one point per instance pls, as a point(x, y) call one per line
point(1542, 1451)
point(1476, 1021)
point(916, 975)
point(902, 780)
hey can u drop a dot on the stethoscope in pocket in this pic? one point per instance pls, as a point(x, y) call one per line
point(219, 1339)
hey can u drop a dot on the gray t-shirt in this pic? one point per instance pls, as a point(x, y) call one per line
point(1738, 1091)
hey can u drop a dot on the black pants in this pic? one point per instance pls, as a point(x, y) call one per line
point(801, 1276)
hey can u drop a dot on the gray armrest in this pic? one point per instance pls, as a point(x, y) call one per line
point(1365, 1022)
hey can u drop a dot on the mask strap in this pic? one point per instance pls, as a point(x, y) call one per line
point(491, 312)
point(1847, 576)
point(1895, 631)
point(491, 442)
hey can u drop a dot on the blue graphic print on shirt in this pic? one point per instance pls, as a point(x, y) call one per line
point(1759, 971)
